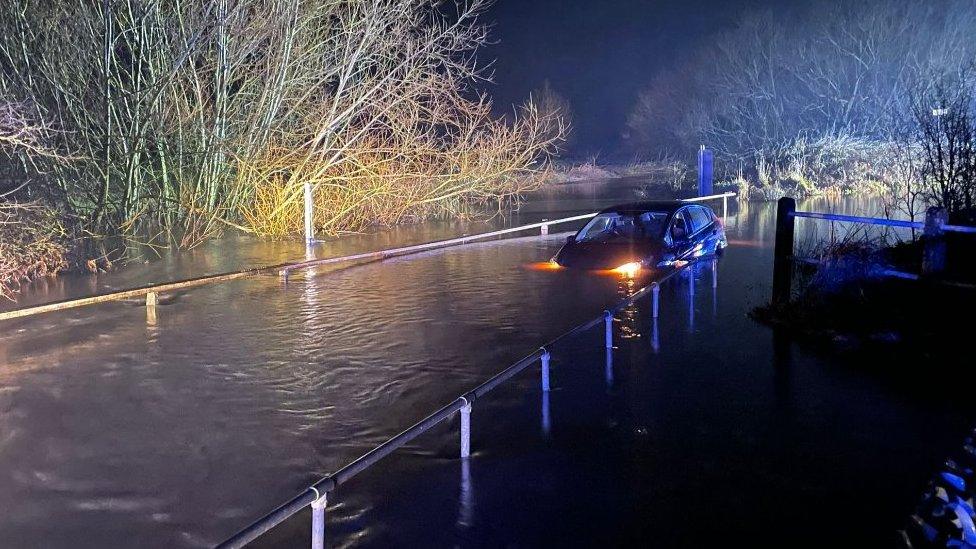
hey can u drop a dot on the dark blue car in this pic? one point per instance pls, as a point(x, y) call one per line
point(630, 237)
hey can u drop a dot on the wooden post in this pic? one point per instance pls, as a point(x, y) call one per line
point(934, 254)
point(783, 250)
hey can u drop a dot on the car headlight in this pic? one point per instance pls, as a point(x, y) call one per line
point(629, 269)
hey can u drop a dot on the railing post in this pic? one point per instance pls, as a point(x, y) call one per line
point(545, 370)
point(608, 328)
point(318, 521)
point(656, 298)
point(465, 429)
point(309, 218)
point(152, 299)
point(783, 250)
point(725, 209)
point(715, 273)
point(934, 254)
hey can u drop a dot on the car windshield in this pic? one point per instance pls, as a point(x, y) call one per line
point(614, 225)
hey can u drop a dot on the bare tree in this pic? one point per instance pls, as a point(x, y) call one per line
point(946, 133)
point(167, 106)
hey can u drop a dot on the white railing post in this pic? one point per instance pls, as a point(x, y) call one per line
point(309, 211)
point(545, 370)
point(152, 299)
point(465, 429)
point(656, 298)
point(318, 521)
point(608, 328)
point(725, 209)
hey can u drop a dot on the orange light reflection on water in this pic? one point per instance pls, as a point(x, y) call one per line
point(544, 266)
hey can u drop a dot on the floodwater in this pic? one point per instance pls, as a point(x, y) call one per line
point(704, 428)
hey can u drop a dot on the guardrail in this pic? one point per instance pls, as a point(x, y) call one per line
point(316, 496)
point(393, 252)
point(933, 228)
point(725, 202)
point(152, 291)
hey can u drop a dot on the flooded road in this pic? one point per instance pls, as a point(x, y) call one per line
point(178, 432)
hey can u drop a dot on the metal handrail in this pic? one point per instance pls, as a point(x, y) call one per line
point(319, 490)
point(392, 252)
point(709, 197)
point(725, 202)
point(151, 290)
point(881, 221)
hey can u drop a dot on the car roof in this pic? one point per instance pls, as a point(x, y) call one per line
point(634, 208)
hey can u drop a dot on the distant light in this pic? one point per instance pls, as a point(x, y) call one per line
point(629, 269)
point(940, 112)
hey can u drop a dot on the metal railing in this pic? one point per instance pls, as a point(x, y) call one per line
point(316, 496)
point(151, 291)
point(725, 202)
point(393, 252)
point(933, 228)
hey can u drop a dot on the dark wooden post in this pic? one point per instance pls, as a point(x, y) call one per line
point(934, 254)
point(783, 250)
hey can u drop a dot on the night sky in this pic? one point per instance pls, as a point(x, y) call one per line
point(597, 53)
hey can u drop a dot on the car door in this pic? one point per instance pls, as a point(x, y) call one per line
point(680, 233)
point(706, 231)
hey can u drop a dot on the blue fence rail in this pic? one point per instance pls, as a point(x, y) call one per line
point(316, 495)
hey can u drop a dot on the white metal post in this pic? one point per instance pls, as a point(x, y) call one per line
point(152, 299)
point(545, 370)
point(714, 273)
point(656, 293)
point(725, 210)
point(608, 328)
point(309, 210)
point(609, 369)
point(318, 522)
point(466, 429)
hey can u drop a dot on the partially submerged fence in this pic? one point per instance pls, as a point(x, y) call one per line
point(152, 291)
point(934, 227)
point(316, 496)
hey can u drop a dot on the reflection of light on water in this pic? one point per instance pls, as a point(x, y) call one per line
point(546, 421)
point(629, 326)
point(466, 500)
point(543, 266)
point(748, 244)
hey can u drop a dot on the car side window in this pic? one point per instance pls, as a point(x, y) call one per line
point(680, 229)
point(700, 218)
